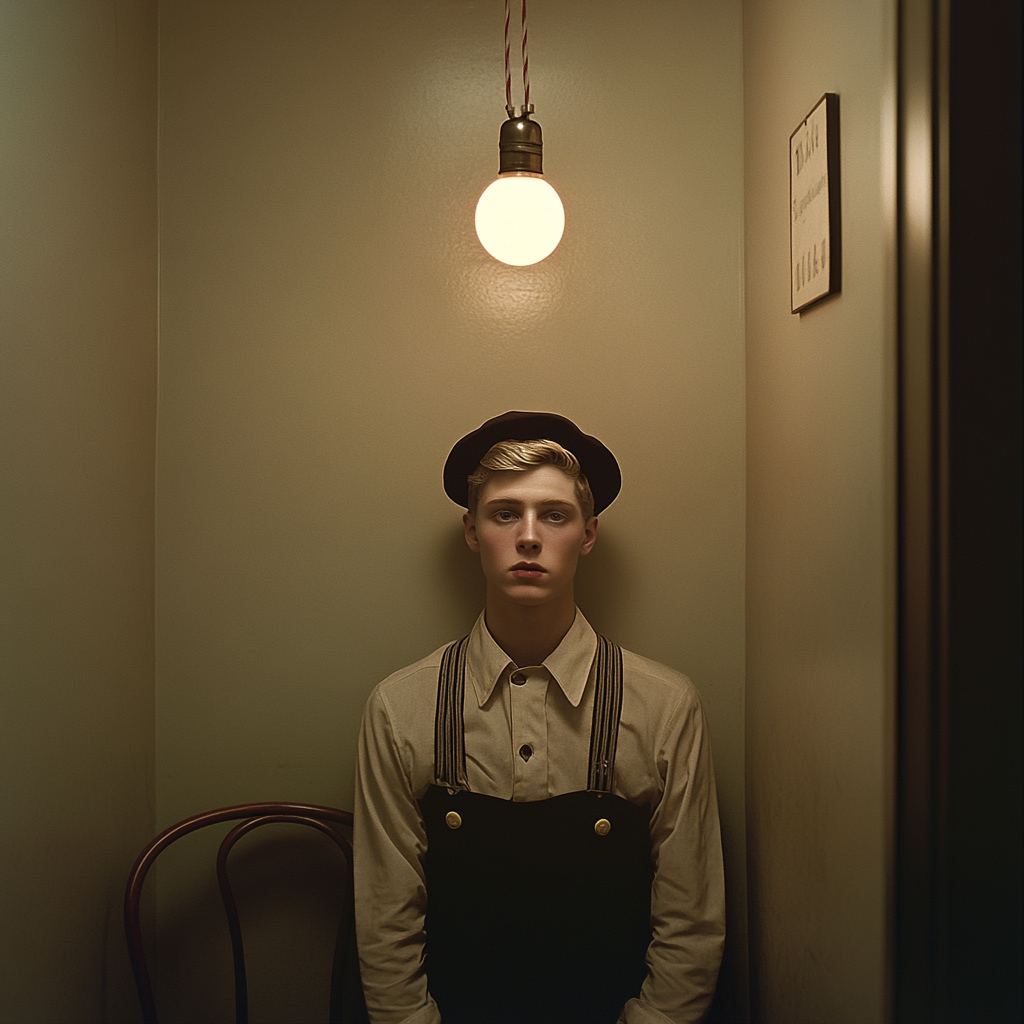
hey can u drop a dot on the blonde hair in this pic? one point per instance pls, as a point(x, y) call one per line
point(519, 456)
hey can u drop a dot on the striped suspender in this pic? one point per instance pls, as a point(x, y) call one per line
point(449, 726)
point(604, 729)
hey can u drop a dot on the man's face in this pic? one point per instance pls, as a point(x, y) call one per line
point(529, 531)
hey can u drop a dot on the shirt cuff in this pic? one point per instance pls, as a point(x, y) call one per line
point(635, 1012)
point(428, 1014)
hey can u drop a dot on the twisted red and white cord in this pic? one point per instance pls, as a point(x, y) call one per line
point(526, 64)
point(508, 73)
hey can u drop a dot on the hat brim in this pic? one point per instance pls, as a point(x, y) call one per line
point(596, 461)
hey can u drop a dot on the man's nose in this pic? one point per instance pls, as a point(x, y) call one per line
point(529, 538)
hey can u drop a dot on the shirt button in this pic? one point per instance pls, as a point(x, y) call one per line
point(519, 678)
point(526, 751)
point(602, 826)
point(453, 819)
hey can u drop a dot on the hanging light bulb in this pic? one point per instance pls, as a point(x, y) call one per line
point(519, 218)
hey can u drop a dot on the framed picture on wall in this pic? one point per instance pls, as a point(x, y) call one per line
point(815, 250)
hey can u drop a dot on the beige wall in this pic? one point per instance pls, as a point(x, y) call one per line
point(77, 418)
point(820, 515)
point(330, 326)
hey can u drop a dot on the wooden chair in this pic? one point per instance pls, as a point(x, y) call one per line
point(346, 1003)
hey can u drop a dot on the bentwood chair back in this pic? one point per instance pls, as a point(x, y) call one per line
point(346, 1004)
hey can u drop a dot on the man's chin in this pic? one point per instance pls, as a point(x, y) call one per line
point(529, 593)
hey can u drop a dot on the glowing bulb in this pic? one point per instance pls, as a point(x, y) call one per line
point(520, 219)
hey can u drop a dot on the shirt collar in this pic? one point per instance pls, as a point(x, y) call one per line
point(569, 663)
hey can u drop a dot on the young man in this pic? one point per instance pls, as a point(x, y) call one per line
point(537, 836)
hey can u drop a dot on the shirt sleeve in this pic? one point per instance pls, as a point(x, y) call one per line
point(688, 894)
point(390, 889)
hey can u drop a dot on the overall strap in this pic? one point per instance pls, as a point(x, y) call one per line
point(449, 725)
point(604, 729)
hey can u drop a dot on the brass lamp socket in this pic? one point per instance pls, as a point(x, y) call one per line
point(520, 147)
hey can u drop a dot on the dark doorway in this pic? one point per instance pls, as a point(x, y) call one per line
point(958, 851)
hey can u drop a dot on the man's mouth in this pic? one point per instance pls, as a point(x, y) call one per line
point(527, 571)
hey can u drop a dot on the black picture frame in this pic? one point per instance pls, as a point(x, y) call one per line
point(815, 220)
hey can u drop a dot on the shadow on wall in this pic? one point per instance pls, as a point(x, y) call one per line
point(458, 569)
point(604, 586)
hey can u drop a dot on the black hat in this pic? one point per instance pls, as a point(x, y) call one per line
point(598, 464)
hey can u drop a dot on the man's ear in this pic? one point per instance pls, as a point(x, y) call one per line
point(589, 536)
point(469, 531)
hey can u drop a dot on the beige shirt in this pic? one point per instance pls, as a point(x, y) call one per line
point(663, 759)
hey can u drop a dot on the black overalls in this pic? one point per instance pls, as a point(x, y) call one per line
point(537, 912)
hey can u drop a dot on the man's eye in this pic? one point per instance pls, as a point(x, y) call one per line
point(504, 516)
point(557, 517)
